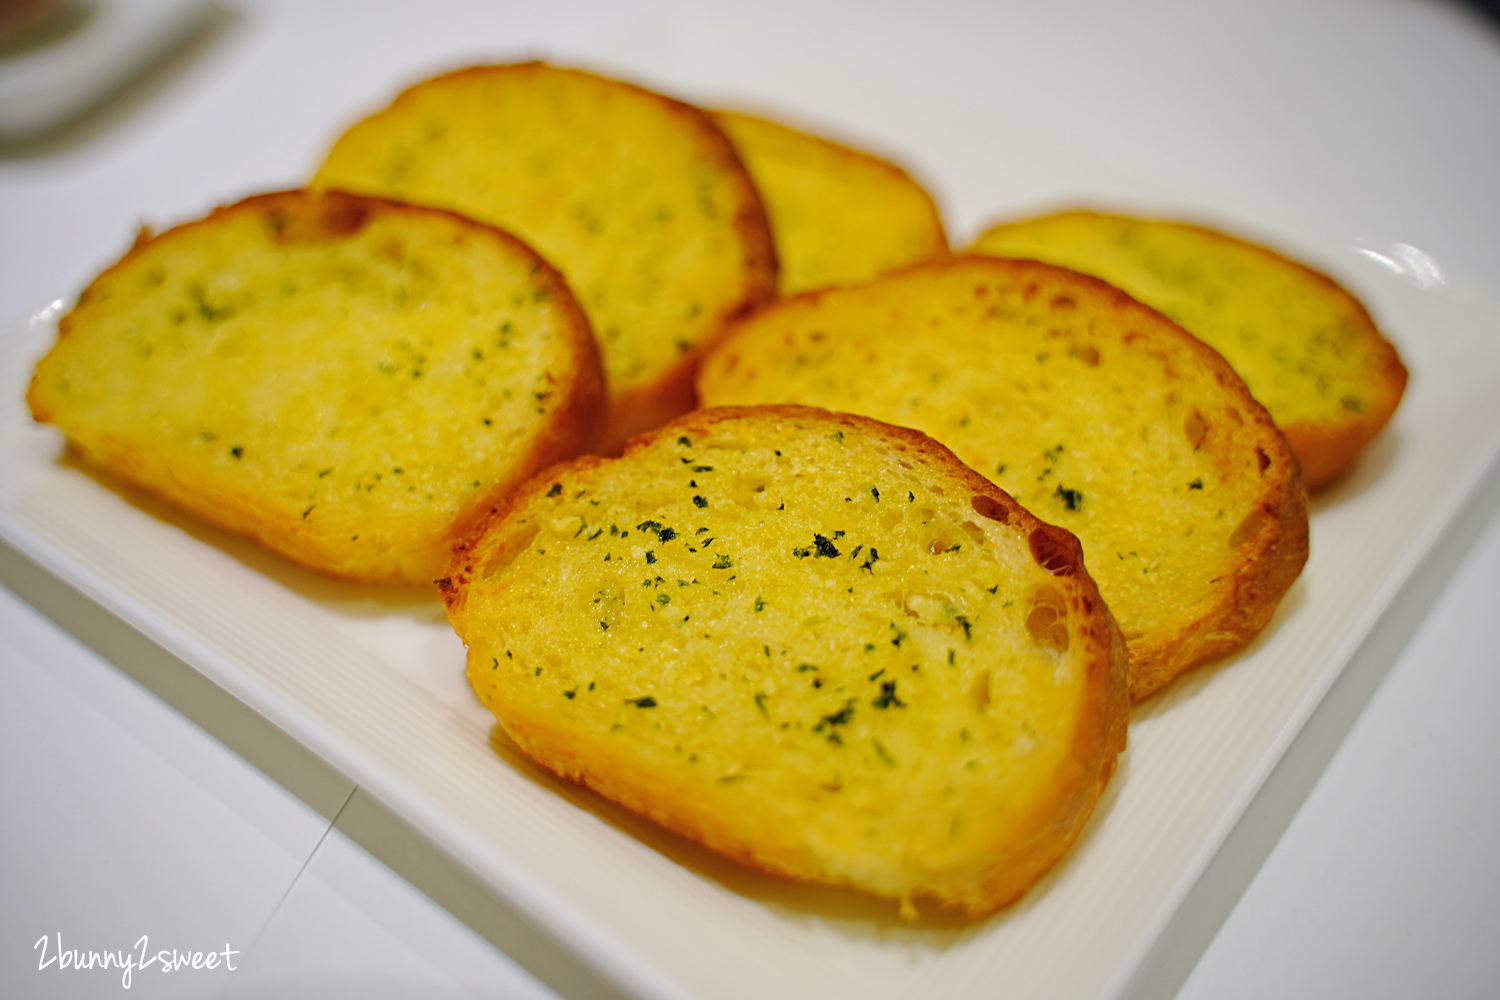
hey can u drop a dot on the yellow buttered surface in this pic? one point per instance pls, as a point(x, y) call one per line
point(817, 644)
point(344, 379)
point(637, 199)
point(1095, 413)
point(839, 215)
point(1306, 348)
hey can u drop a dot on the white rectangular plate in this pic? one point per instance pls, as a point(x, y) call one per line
point(373, 680)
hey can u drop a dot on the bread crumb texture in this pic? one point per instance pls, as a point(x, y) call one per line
point(638, 199)
point(346, 380)
point(1307, 349)
point(1096, 413)
point(839, 215)
point(815, 643)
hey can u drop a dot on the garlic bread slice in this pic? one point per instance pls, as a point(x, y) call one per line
point(1307, 349)
point(839, 215)
point(347, 380)
point(1096, 413)
point(638, 199)
point(815, 643)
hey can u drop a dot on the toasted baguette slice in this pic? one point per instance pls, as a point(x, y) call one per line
point(1093, 411)
point(347, 380)
point(638, 199)
point(815, 643)
point(1307, 349)
point(840, 216)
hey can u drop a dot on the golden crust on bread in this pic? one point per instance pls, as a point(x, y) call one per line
point(347, 380)
point(638, 199)
point(1307, 349)
point(1096, 413)
point(815, 643)
point(839, 215)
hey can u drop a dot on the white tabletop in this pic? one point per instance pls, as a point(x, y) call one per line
point(141, 801)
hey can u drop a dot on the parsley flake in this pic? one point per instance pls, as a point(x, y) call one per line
point(888, 697)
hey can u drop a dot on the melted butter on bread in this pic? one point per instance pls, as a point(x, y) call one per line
point(638, 199)
point(815, 643)
point(1307, 349)
point(1096, 413)
point(839, 215)
point(346, 380)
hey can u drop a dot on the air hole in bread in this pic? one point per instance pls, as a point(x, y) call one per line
point(344, 219)
point(982, 690)
point(724, 444)
point(335, 218)
point(1263, 459)
point(989, 507)
point(927, 608)
point(1054, 550)
point(1249, 527)
point(506, 552)
point(1048, 620)
point(748, 490)
point(566, 527)
point(1194, 427)
point(974, 531)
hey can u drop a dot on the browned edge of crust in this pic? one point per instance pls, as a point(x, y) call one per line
point(1324, 449)
point(578, 423)
point(576, 419)
point(1268, 564)
point(1101, 732)
point(1268, 561)
point(632, 411)
point(1271, 559)
point(674, 394)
